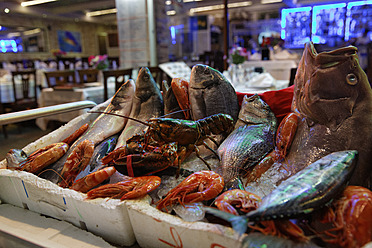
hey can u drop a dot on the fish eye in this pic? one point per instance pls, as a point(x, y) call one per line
point(351, 79)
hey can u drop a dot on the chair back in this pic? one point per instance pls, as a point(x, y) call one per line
point(120, 78)
point(59, 78)
point(28, 84)
point(159, 75)
point(67, 63)
point(292, 76)
point(88, 75)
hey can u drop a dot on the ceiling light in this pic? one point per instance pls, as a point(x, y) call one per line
point(35, 2)
point(32, 31)
point(6, 10)
point(270, 1)
point(171, 12)
point(168, 2)
point(189, 1)
point(102, 12)
point(220, 6)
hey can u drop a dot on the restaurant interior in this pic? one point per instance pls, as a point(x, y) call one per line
point(62, 51)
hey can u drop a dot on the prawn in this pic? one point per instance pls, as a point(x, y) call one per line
point(90, 181)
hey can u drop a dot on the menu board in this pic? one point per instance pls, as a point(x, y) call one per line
point(176, 70)
point(296, 23)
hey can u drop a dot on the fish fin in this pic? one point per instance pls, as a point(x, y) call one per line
point(239, 223)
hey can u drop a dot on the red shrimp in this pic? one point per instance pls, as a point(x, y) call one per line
point(90, 181)
point(71, 139)
point(132, 188)
point(244, 200)
point(76, 162)
point(43, 157)
point(181, 92)
point(199, 186)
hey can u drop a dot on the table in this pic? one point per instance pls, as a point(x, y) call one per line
point(279, 69)
point(50, 96)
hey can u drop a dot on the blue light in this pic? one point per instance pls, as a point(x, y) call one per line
point(317, 8)
point(285, 12)
point(352, 4)
point(173, 34)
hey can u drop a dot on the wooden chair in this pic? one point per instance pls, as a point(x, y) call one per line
point(60, 78)
point(26, 100)
point(120, 78)
point(67, 62)
point(88, 75)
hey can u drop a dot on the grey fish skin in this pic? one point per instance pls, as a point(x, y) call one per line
point(312, 188)
point(147, 103)
point(251, 140)
point(254, 111)
point(103, 127)
point(211, 93)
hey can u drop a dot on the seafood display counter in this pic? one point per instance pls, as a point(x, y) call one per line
point(283, 172)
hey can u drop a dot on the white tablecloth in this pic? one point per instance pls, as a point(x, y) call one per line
point(50, 97)
point(279, 69)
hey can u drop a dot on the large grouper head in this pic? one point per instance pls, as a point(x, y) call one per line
point(328, 85)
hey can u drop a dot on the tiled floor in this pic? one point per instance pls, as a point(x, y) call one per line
point(19, 135)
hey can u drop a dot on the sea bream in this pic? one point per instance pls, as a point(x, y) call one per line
point(211, 93)
point(103, 127)
point(333, 100)
point(310, 189)
point(251, 140)
point(147, 104)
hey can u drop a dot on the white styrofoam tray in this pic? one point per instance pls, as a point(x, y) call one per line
point(106, 218)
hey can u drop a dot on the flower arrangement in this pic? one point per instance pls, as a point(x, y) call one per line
point(99, 62)
point(238, 55)
point(58, 52)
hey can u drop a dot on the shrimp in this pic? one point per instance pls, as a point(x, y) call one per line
point(245, 200)
point(71, 139)
point(199, 186)
point(132, 188)
point(76, 162)
point(44, 157)
point(88, 182)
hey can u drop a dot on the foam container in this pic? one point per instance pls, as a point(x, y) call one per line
point(108, 219)
point(154, 228)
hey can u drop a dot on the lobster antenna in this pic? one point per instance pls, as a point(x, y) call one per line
point(175, 112)
point(130, 118)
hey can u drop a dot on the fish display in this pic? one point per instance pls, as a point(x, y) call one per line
point(103, 127)
point(310, 189)
point(248, 143)
point(211, 93)
point(333, 101)
point(147, 103)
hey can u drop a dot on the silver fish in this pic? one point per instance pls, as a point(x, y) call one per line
point(312, 188)
point(147, 103)
point(211, 93)
point(103, 127)
point(15, 157)
point(249, 143)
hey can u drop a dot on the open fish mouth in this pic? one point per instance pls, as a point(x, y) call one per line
point(332, 58)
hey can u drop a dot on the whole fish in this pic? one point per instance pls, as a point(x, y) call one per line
point(103, 127)
point(211, 93)
point(312, 188)
point(147, 103)
point(333, 99)
point(170, 102)
point(250, 142)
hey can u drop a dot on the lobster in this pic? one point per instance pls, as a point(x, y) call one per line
point(187, 134)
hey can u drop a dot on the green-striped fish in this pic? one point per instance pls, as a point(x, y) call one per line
point(309, 189)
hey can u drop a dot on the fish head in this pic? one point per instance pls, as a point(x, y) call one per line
point(123, 95)
point(15, 158)
point(145, 84)
point(203, 76)
point(327, 85)
point(254, 111)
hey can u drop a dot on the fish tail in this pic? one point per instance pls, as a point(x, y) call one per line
point(238, 223)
